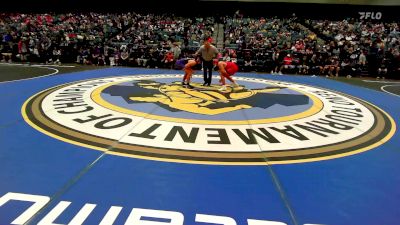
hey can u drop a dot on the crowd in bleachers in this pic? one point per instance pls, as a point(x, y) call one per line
point(347, 48)
point(160, 40)
point(331, 48)
point(362, 46)
point(263, 44)
point(57, 37)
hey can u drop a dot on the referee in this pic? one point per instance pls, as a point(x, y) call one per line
point(207, 52)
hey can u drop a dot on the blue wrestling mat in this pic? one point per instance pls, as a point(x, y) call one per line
point(135, 147)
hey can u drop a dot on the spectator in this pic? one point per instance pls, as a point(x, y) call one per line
point(176, 51)
point(287, 63)
point(168, 60)
point(362, 60)
point(56, 56)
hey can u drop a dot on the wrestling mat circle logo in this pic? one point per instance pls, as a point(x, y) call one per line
point(260, 122)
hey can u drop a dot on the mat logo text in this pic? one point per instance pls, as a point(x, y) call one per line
point(137, 216)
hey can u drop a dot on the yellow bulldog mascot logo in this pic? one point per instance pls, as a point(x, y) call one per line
point(199, 99)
